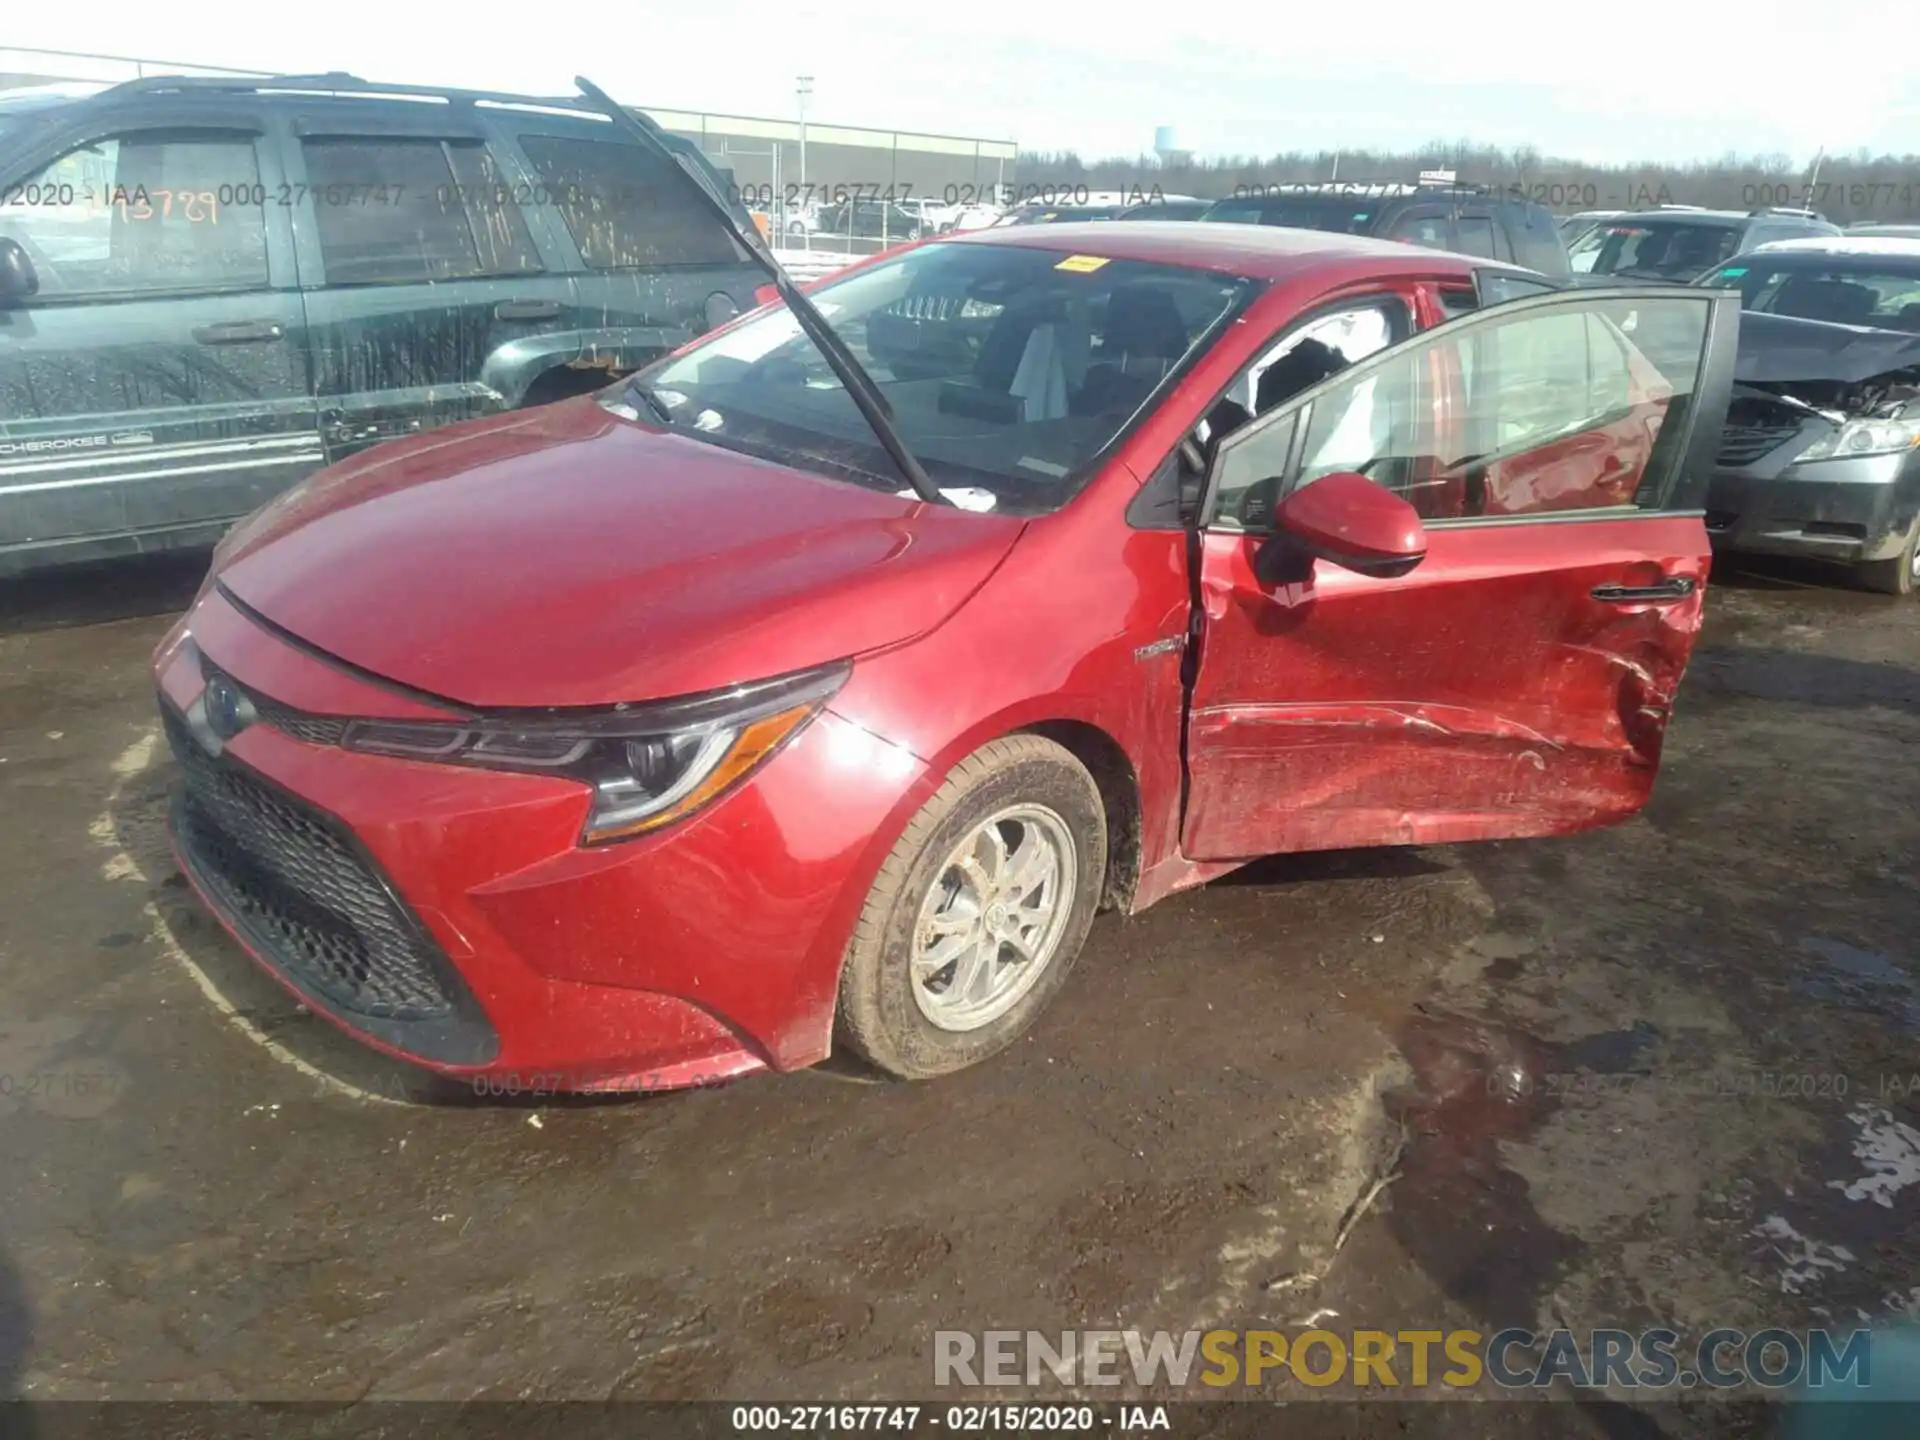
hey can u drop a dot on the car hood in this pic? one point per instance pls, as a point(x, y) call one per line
point(1782, 349)
point(566, 557)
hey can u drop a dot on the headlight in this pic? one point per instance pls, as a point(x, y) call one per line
point(1865, 437)
point(648, 765)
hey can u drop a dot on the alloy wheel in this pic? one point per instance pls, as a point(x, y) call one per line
point(993, 917)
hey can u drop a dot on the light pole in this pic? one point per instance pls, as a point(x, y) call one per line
point(801, 91)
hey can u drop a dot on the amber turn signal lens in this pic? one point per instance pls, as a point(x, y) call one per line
point(757, 742)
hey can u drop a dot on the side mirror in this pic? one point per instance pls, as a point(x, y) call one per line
point(18, 280)
point(1347, 520)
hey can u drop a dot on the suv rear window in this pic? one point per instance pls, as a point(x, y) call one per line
point(1655, 249)
point(1537, 241)
point(624, 208)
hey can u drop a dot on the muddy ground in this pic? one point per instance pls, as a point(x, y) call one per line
point(205, 1193)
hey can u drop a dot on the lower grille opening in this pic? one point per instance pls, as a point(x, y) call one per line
point(1743, 444)
point(1840, 529)
point(297, 886)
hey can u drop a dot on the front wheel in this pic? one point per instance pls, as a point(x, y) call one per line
point(1899, 574)
point(978, 913)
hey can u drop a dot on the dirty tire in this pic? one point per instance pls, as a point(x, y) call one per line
point(1893, 576)
point(878, 1015)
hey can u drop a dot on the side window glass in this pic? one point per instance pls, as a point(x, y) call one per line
point(624, 208)
point(1473, 235)
point(501, 241)
point(144, 213)
point(397, 209)
point(1428, 226)
point(1508, 221)
point(1307, 355)
point(1497, 287)
point(1246, 461)
point(1560, 409)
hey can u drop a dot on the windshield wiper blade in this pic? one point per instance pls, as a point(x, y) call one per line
point(873, 406)
point(650, 398)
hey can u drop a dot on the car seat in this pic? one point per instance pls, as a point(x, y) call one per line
point(1303, 366)
point(1144, 337)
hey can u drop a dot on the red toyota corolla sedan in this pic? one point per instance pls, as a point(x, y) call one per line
point(670, 734)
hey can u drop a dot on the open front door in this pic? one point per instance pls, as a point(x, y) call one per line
point(1518, 680)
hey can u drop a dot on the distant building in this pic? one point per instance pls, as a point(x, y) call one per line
point(765, 154)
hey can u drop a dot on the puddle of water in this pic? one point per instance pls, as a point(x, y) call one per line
point(1865, 979)
point(1458, 1210)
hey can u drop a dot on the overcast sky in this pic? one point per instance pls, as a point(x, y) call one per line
point(1678, 80)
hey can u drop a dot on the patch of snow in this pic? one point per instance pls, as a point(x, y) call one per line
point(1804, 1261)
point(1891, 1151)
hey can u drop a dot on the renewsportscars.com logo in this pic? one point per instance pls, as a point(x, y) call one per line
point(1512, 1359)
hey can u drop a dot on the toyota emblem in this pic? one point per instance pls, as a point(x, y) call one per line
point(228, 710)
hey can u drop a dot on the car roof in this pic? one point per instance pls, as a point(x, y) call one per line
point(29, 98)
point(1268, 252)
point(1728, 218)
point(90, 96)
point(1902, 247)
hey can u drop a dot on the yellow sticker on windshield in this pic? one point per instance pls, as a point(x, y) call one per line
point(1082, 264)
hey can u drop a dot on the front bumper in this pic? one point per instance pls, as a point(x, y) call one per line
point(1843, 510)
point(448, 916)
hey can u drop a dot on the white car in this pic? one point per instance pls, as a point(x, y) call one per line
point(934, 214)
point(971, 217)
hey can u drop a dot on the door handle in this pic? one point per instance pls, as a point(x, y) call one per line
point(527, 310)
point(1677, 588)
point(240, 332)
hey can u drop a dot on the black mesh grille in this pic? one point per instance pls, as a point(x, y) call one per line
point(300, 891)
point(314, 729)
point(1743, 444)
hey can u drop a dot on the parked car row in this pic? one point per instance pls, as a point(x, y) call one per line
point(890, 221)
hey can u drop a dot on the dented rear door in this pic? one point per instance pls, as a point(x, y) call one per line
point(1520, 679)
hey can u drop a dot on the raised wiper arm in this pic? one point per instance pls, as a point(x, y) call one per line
point(845, 365)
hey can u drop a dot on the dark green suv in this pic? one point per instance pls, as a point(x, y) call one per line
point(211, 288)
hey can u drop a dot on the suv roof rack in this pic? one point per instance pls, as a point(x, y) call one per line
point(333, 82)
point(1788, 210)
